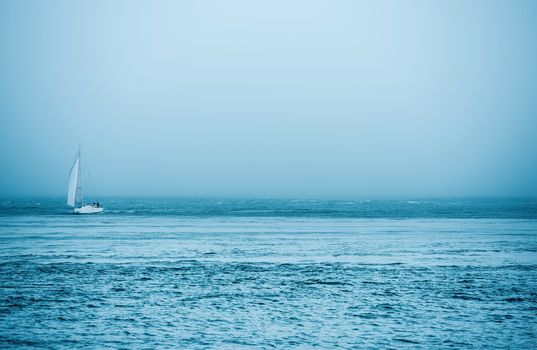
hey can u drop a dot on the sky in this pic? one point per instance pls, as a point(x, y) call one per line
point(276, 98)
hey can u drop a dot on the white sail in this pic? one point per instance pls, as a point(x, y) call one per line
point(74, 194)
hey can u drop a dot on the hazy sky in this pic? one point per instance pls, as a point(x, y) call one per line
point(270, 98)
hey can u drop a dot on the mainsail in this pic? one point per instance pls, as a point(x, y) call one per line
point(74, 194)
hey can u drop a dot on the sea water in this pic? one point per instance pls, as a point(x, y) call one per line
point(263, 274)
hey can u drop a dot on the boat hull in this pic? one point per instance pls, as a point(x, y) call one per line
point(88, 209)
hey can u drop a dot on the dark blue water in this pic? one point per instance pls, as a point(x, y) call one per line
point(508, 208)
point(198, 273)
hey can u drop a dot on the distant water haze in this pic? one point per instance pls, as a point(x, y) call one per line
point(270, 98)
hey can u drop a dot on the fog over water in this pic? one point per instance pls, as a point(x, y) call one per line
point(270, 98)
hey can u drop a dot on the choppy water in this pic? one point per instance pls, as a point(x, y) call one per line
point(269, 274)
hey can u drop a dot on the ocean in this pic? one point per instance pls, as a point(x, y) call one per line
point(269, 274)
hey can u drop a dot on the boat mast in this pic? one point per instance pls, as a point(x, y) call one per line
point(80, 177)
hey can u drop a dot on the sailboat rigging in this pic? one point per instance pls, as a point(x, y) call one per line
point(75, 194)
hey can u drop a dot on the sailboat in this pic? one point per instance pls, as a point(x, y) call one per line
point(75, 196)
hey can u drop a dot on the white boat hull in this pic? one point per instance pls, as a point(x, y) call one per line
point(88, 209)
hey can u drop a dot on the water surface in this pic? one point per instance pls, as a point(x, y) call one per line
point(264, 274)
